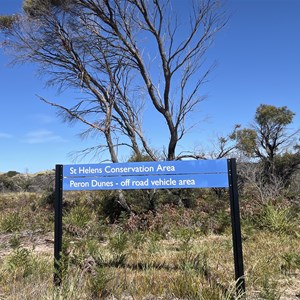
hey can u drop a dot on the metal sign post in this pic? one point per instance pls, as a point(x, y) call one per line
point(58, 224)
point(236, 227)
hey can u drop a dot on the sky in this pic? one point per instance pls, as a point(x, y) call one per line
point(258, 62)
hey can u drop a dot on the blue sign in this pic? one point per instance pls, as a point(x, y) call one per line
point(146, 168)
point(146, 182)
point(146, 175)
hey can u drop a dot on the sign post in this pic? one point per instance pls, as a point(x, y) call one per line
point(236, 227)
point(219, 173)
point(58, 224)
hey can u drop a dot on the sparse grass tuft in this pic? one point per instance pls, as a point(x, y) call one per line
point(278, 219)
point(11, 222)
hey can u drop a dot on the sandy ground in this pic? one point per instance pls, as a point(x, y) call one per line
point(37, 242)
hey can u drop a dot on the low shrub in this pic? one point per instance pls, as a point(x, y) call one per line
point(277, 219)
point(11, 222)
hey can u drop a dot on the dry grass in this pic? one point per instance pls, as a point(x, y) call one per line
point(106, 262)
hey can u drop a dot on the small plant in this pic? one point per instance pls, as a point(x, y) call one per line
point(14, 241)
point(270, 290)
point(137, 239)
point(153, 243)
point(48, 198)
point(98, 283)
point(185, 237)
point(211, 293)
point(71, 288)
point(80, 221)
point(21, 263)
point(277, 219)
point(291, 262)
point(185, 286)
point(234, 292)
point(78, 216)
point(11, 222)
point(118, 242)
point(92, 246)
point(187, 259)
point(222, 221)
point(118, 245)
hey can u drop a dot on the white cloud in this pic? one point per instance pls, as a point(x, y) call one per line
point(5, 135)
point(42, 136)
point(40, 118)
point(43, 119)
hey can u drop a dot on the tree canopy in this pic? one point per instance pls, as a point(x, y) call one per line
point(123, 55)
point(269, 134)
point(270, 139)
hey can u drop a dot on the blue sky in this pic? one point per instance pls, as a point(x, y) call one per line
point(258, 61)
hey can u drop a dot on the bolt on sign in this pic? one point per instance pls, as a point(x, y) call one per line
point(220, 173)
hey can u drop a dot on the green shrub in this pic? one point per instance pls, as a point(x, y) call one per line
point(291, 262)
point(277, 219)
point(270, 290)
point(98, 283)
point(11, 222)
point(79, 216)
point(14, 242)
point(6, 184)
point(48, 198)
point(137, 239)
point(110, 208)
point(11, 173)
point(118, 244)
point(22, 263)
point(186, 287)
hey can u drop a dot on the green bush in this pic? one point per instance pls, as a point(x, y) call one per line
point(98, 283)
point(48, 199)
point(14, 242)
point(110, 208)
point(79, 216)
point(137, 239)
point(270, 290)
point(6, 184)
point(11, 173)
point(11, 222)
point(291, 262)
point(277, 219)
point(118, 245)
point(22, 263)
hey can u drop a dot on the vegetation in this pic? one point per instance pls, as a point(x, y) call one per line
point(182, 250)
point(271, 141)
